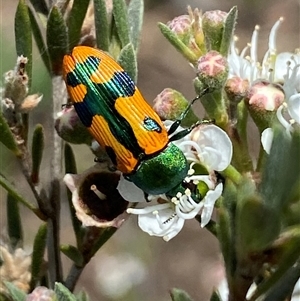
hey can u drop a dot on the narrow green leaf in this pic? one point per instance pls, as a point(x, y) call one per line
point(39, 40)
point(23, 36)
point(179, 295)
point(9, 187)
point(70, 162)
point(101, 25)
point(226, 240)
point(135, 19)
point(284, 287)
point(15, 293)
point(37, 149)
point(257, 225)
point(82, 296)
point(39, 247)
point(73, 253)
point(7, 137)
point(177, 43)
point(62, 293)
point(289, 259)
point(57, 39)
point(14, 224)
point(40, 6)
point(228, 31)
point(70, 167)
point(215, 297)
point(127, 59)
point(121, 21)
point(75, 20)
point(281, 174)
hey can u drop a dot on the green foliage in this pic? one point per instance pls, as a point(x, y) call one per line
point(179, 295)
point(15, 293)
point(37, 149)
point(14, 222)
point(63, 294)
point(57, 39)
point(39, 246)
point(7, 137)
point(257, 222)
point(102, 25)
point(23, 35)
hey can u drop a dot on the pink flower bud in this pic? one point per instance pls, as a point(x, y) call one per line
point(212, 69)
point(69, 127)
point(169, 104)
point(264, 96)
point(236, 88)
point(213, 24)
point(181, 25)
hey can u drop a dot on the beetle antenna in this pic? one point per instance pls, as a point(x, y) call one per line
point(177, 122)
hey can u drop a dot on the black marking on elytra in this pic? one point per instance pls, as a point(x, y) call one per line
point(82, 71)
point(112, 155)
point(151, 125)
point(100, 100)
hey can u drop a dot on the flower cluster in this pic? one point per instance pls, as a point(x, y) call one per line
point(208, 147)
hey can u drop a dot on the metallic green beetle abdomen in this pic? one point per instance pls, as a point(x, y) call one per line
point(158, 174)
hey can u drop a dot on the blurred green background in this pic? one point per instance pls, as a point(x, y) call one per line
point(132, 265)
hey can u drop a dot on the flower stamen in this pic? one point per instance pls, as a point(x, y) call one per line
point(99, 194)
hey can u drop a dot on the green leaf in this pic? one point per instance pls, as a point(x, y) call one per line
point(177, 43)
point(57, 39)
point(40, 6)
point(101, 25)
point(37, 148)
point(39, 246)
point(82, 296)
point(228, 31)
point(7, 137)
point(62, 293)
point(290, 241)
point(70, 167)
point(179, 295)
point(15, 293)
point(281, 175)
point(9, 187)
point(215, 297)
point(39, 40)
point(135, 20)
point(14, 224)
point(121, 21)
point(284, 287)
point(73, 253)
point(75, 20)
point(257, 225)
point(23, 36)
point(127, 59)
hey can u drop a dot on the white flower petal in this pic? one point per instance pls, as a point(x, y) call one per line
point(266, 139)
point(130, 191)
point(211, 137)
point(163, 224)
point(209, 203)
point(294, 107)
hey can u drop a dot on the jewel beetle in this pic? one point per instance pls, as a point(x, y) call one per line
point(112, 108)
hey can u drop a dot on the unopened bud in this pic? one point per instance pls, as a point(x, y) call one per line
point(212, 69)
point(69, 127)
point(213, 25)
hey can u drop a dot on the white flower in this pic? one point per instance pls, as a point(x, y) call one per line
point(283, 68)
point(95, 197)
point(207, 145)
